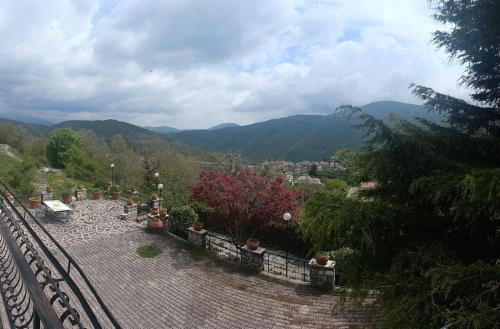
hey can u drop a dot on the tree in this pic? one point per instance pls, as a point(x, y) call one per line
point(64, 146)
point(244, 202)
point(428, 241)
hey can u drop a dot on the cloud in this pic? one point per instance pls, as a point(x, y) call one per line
point(193, 63)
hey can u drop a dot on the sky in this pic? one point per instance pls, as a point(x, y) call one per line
point(198, 63)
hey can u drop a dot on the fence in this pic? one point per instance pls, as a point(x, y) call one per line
point(42, 287)
point(274, 263)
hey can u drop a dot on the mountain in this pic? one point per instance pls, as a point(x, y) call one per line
point(224, 125)
point(162, 129)
point(298, 137)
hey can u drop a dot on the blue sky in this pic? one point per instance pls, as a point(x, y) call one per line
point(195, 63)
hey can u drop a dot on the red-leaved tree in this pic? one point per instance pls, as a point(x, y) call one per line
point(245, 202)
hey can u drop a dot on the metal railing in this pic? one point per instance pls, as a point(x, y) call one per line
point(42, 287)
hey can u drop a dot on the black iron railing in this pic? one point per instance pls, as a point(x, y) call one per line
point(42, 287)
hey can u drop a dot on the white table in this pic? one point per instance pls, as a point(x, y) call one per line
point(58, 207)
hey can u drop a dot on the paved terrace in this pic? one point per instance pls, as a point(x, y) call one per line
point(180, 288)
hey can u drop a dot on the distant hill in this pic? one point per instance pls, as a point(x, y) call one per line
point(224, 125)
point(162, 129)
point(298, 137)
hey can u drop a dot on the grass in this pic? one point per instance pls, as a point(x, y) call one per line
point(146, 251)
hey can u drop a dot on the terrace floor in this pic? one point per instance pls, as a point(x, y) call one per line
point(180, 288)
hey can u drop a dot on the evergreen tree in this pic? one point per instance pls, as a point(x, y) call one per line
point(428, 237)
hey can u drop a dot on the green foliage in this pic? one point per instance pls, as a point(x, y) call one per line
point(183, 215)
point(20, 177)
point(64, 147)
point(147, 251)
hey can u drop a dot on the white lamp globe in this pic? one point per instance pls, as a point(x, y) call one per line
point(160, 186)
point(157, 175)
point(112, 165)
point(287, 216)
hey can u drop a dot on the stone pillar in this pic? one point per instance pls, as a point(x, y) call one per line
point(131, 211)
point(252, 259)
point(198, 238)
point(47, 196)
point(81, 194)
point(322, 277)
point(155, 203)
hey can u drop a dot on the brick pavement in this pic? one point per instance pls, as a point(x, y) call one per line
point(182, 289)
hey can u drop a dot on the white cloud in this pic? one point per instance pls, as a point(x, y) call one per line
point(193, 63)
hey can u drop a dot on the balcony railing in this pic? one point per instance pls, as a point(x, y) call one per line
point(43, 287)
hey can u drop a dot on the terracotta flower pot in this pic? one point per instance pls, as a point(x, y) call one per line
point(49, 189)
point(7, 194)
point(68, 199)
point(97, 195)
point(253, 244)
point(198, 226)
point(154, 196)
point(130, 202)
point(322, 258)
point(34, 202)
point(163, 213)
point(115, 195)
point(156, 224)
point(154, 211)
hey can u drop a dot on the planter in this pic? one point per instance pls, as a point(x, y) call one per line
point(7, 194)
point(115, 195)
point(154, 196)
point(163, 213)
point(322, 258)
point(68, 199)
point(80, 187)
point(97, 195)
point(49, 189)
point(154, 211)
point(156, 224)
point(130, 202)
point(253, 244)
point(198, 226)
point(34, 202)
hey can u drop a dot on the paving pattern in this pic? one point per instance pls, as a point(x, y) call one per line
point(180, 288)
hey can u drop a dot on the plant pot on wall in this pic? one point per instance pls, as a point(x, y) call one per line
point(34, 202)
point(253, 244)
point(97, 195)
point(130, 202)
point(322, 258)
point(198, 226)
point(154, 211)
point(163, 213)
point(115, 195)
point(156, 224)
point(49, 189)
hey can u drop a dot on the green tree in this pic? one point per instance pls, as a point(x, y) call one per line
point(64, 146)
point(428, 239)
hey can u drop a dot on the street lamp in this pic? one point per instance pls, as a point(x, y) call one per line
point(156, 181)
point(160, 187)
point(112, 168)
point(286, 217)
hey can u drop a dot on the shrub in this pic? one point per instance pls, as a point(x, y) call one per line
point(183, 215)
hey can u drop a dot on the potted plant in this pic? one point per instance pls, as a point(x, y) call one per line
point(136, 200)
point(154, 211)
point(34, 202)
point(322, 258)
point(198, 226)
point(7, 194)
point(115, 192)
point(49, 189)
point(130, 202)
point(156, 223)
point(68, 197)
point(97, 194)
point(253, 244)
point(80, 187)
point(134, 188)
point(154, 196)
point(163, 212)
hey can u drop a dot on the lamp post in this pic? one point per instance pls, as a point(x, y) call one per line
point(112, 169)
point(160, 187)
point(156, 181)
point(46, 171)
point(286, 217)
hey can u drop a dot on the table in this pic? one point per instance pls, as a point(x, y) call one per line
point(57, 207)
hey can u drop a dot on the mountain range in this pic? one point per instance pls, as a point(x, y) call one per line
point(293, 138)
